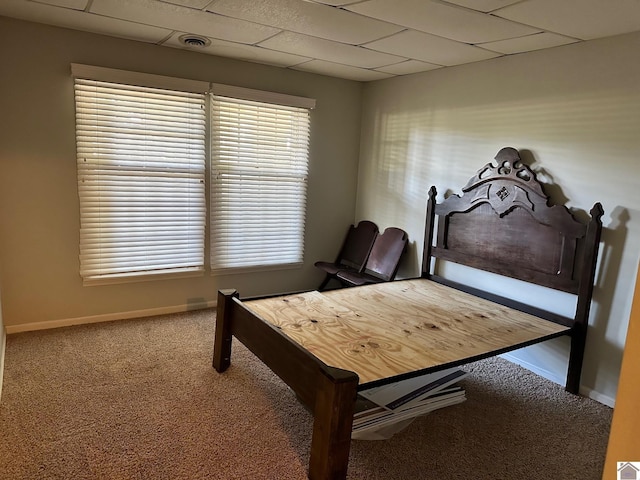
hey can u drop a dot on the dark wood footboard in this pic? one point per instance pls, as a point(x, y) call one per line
point(328, 392)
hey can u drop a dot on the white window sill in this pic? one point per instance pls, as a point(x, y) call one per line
point(254, 269)
point(151, 276)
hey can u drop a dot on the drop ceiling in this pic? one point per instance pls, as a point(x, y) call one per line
point(359, 40)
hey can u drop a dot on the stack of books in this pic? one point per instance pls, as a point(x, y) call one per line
point(381, 412)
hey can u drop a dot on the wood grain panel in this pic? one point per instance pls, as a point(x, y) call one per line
point(392, 329)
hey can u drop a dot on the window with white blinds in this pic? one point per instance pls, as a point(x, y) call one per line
point(141, 179)
point(259, 164)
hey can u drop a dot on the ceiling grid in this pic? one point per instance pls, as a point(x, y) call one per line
point(361, 40)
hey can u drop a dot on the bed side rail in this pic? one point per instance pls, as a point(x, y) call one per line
point(507, 302)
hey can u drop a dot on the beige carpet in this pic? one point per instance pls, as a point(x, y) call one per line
point(138, 399)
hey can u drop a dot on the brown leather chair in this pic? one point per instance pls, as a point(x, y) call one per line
point(383, 262)
point(353, 253)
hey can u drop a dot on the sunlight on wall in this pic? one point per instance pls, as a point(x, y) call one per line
point(582, 142)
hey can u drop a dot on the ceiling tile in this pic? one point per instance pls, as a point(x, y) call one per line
point(240, 51)
point(319, 48)
point(336, 3)
point(410, 66)
point(199, 4)
point(584, 19)
point(537, 41)
point(483, 5)
point(448, 21)
point(343, 71)
point(356, 39)
point(431, 48)
point(308, 18)
point(78, 20)
point(75, 4)
point(184, 19)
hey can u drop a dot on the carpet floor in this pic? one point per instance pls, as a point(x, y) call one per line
point(138, 399)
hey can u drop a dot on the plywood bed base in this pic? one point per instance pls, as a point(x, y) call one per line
point(328, 346)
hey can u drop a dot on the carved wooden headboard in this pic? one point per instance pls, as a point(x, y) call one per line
point(503, 223)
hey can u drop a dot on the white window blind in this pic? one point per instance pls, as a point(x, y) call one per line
point(141, 168)
point(259, 164)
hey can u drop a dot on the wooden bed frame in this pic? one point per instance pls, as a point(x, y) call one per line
point(328, 346)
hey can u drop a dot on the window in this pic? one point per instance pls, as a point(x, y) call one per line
point(141, 177)
point(141, 155)
point(259, 165)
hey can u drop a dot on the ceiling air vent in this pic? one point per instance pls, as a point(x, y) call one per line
point(194, 41)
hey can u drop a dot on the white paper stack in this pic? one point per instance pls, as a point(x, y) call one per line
point(381, 412)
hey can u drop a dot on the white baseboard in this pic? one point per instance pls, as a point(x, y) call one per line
point(107, 317)
point(598, 397)
point(587, 392)
point(535, 369)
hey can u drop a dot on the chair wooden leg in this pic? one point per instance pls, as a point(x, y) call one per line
point(324, 283)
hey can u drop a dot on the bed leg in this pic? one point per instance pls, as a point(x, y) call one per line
point(587, 277)
point(333, 419)
point(576, 357)
point(222, 339)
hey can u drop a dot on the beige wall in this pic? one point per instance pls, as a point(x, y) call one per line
point(39, 217)
point(574, 111)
